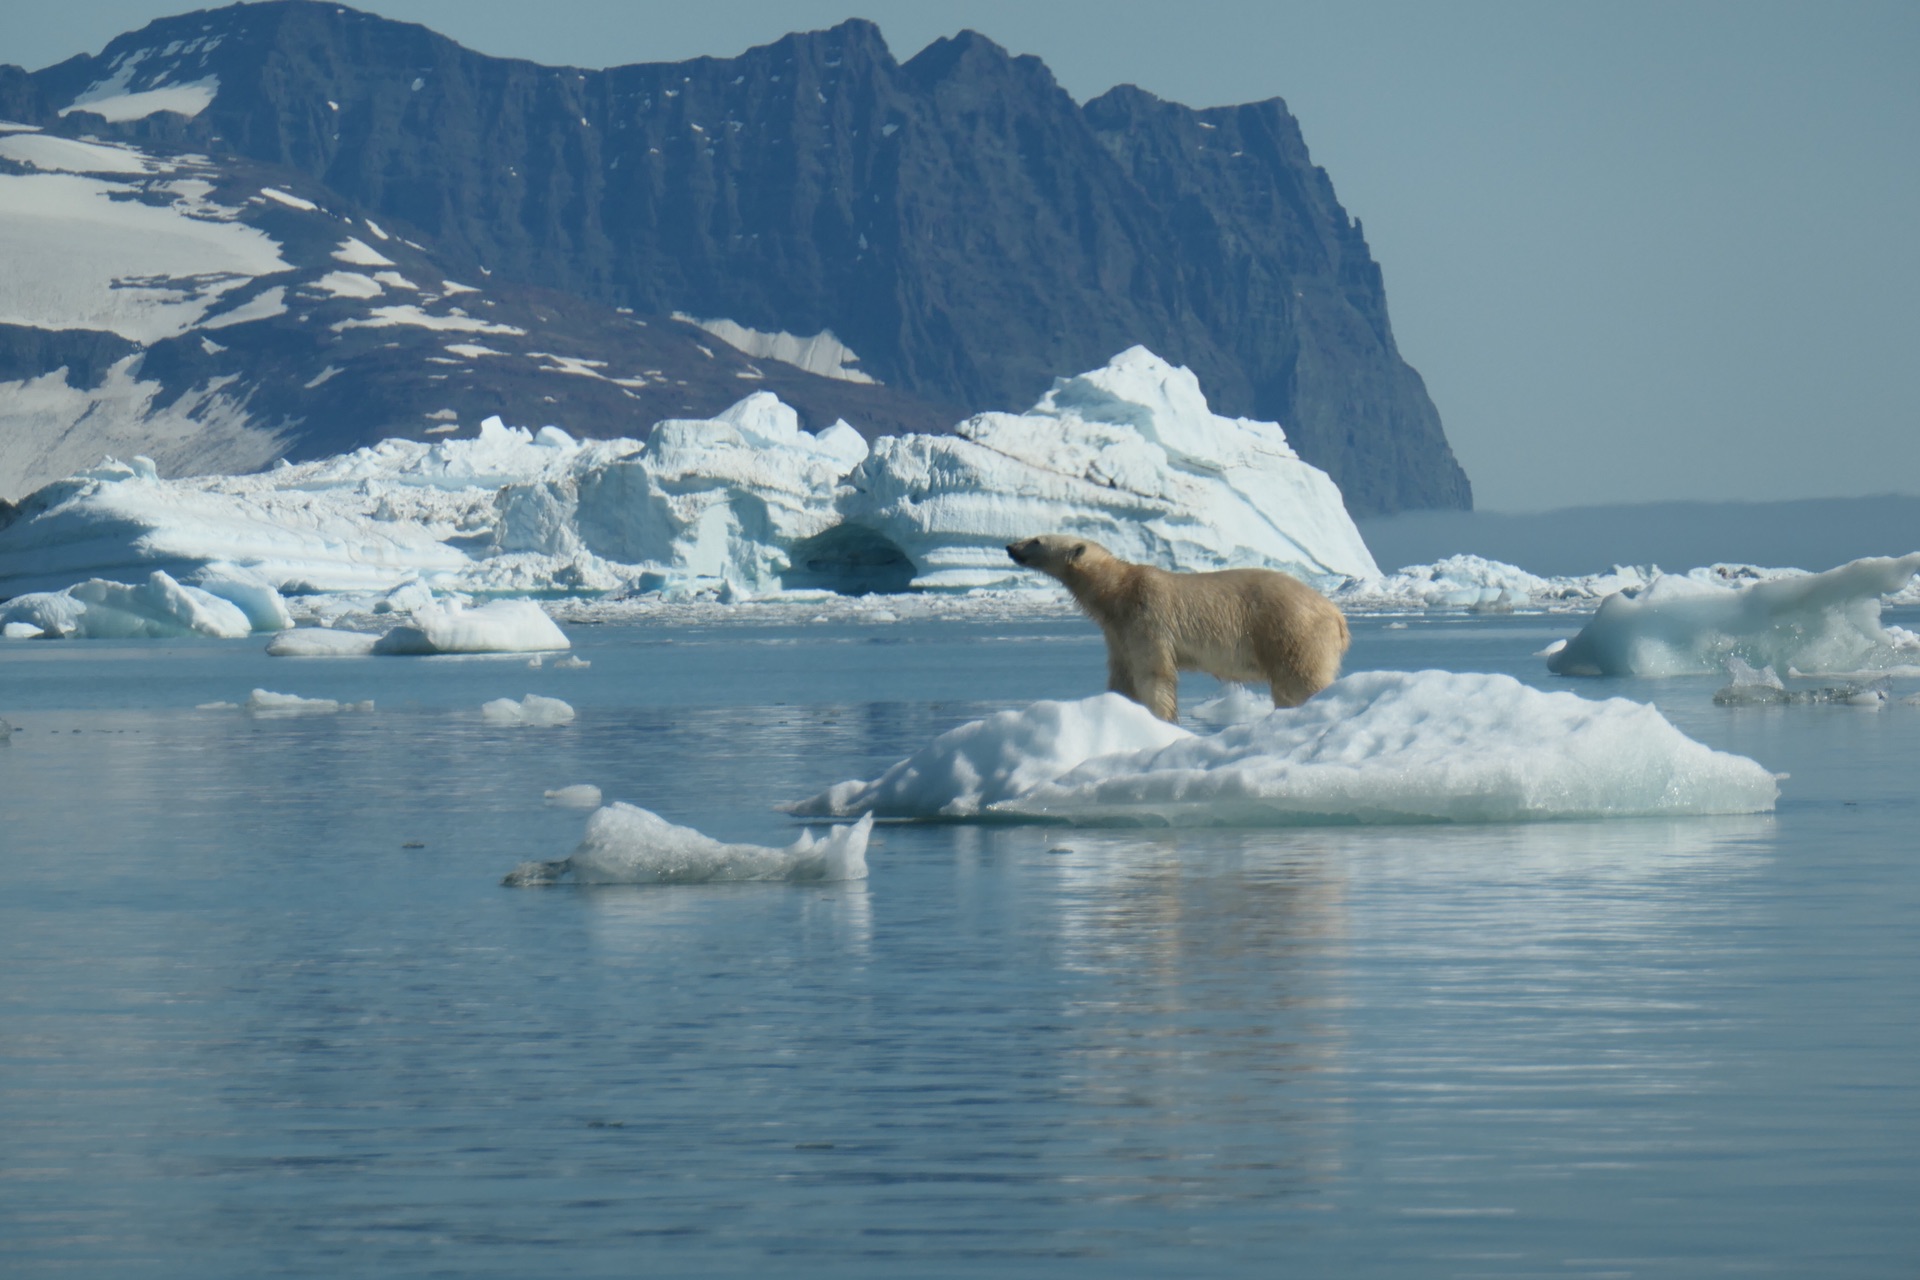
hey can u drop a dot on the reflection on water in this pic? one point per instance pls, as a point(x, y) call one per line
point(268, 1011)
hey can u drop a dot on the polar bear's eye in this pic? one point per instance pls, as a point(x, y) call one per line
point(1079, 549)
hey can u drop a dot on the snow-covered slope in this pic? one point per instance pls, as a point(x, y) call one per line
point(743, 504)
point(215, 315)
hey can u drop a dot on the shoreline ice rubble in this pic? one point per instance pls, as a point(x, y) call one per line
point(740, 505)
point(1377, 747)
point(625, 844)
point(1825, 623)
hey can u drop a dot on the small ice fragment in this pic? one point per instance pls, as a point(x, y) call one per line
point(536, 662)
point(217, 706)
point(571, 663)
point(264, 702)
point(582, 795)
point(531, 710)
point(626, 844)
point(321, 642)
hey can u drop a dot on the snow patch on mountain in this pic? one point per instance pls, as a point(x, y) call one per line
point(823, 353)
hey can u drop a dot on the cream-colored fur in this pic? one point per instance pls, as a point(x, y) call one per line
point(1245, 625)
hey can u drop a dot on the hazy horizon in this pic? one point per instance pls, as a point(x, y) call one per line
point(1638, 253)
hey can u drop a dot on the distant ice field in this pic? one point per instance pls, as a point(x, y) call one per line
point(267, 998)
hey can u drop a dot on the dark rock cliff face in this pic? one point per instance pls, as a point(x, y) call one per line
point(957, 219)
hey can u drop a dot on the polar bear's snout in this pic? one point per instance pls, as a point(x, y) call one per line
point(1018, 551)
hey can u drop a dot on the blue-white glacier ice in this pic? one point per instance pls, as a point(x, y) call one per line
point(1691, 625)
point(740, 505)
point(626, 844)
point(1376, 747)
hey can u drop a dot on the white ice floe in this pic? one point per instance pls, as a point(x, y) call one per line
point(21, 631)
point(502, 626)
point(984, 762)
point(581, 795)
point(531, 710)
point(1377, 747)
point(626, 844)
point(263, 702)
point(158, 609)
point(1817, 622)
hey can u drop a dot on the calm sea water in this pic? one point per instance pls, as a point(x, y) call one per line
point(267, 1011)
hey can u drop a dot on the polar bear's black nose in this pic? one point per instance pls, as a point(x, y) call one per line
point(1013, 553)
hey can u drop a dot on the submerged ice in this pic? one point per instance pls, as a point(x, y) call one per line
point(1377, 747)
point(625, 844)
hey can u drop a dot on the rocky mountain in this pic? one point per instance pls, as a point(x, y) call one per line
point(957, 229)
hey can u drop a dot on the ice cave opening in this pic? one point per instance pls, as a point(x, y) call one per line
point(851, 560)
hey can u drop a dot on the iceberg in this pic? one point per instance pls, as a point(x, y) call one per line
point(626, 844)
point(1129, 455)
point(97, 609)
point(1376, 747)
point(744, 505)
point(530, 710)
point(1815, 622)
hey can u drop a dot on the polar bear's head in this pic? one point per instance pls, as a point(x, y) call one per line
point(1058, 555)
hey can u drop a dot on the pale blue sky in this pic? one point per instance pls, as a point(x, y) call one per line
point(1638, 250)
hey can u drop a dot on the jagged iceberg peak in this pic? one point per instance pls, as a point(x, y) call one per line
point(1164, 403)
point(1129, 454)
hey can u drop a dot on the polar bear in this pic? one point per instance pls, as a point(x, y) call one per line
point(1248, 625)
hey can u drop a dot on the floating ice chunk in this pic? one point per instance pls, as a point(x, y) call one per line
point(1817, 622)
point(159, 608)
point(1428, 746)
point(1376, 747)
point(571, 662)
point(20, 631)
point(532, 709)
point(1764, 688)
point(582, 795)
point(536, 661)
point(625, 844)
point(967, 769)
point(502, 626)
point(264, 702)
point(321, 642)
